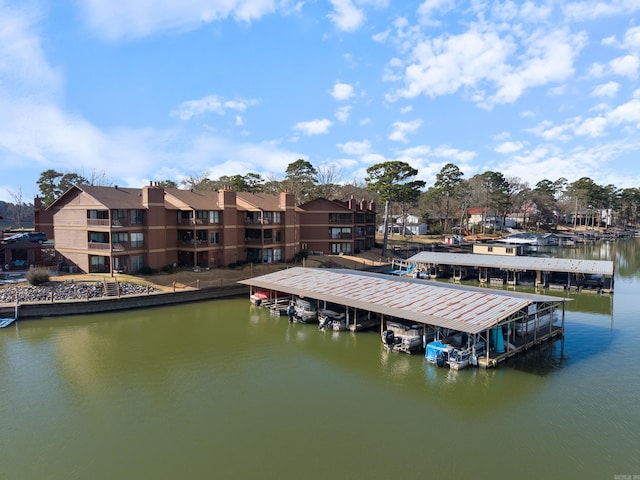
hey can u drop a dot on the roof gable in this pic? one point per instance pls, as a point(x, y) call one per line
point(193, 199)
point(107, 197)
point(322, 204)
point(258, 201)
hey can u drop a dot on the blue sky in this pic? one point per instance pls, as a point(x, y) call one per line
point(146, 90)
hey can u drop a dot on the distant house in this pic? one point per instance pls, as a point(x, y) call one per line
point(480, 216)
point(535, 239)
point(497, 249)
point(412, 225)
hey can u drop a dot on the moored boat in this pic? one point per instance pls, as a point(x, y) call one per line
point(459, 358)
point(332, 320)
point(403, 337)
point(5, 322)
point(306, 310)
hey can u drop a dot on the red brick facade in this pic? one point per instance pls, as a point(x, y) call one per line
point(107, 229)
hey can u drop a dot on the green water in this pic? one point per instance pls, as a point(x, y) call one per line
point(225, 390)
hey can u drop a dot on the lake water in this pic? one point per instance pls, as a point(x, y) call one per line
point(224, 390)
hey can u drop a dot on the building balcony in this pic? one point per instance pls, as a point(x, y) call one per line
point(98, 222)
point(99, 246)
point(193, 244)
point(341, 236)
point(258, 221)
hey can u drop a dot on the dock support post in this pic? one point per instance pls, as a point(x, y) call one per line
point(488, 348)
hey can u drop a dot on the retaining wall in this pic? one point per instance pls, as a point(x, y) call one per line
point(110, 304)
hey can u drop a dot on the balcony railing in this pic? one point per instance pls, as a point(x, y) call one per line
point(98, 222)
point(193, 243)
point(99, 246)
point(258, 221)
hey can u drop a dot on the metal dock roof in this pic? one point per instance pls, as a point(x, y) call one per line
point(458, 307)
point(543, 264)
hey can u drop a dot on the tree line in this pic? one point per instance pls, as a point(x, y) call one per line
point(393, 185)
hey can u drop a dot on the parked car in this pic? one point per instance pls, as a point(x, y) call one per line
point(37, 237)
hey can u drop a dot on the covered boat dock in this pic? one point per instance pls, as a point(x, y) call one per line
point(566, 273)
point(495, 323)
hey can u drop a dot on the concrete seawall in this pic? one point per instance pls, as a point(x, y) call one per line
point(110, 304)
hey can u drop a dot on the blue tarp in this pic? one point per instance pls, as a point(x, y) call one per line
point(433, 348)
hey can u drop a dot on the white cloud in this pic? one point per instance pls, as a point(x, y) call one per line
point(342, 91)
point(381, 37)
point(594, 9)
point(632, 38)
point(626, 66)
point(313, 127)
point(509, 147)
point(346, 16)
point(445, 151)
point(505, 58)
point(591, 127)
point(626, 113)
point(429, 8)
point(550, 132)
point(342, 114)
point(24, 69)
point(548, 58)
point(609, 89)
point(355, 148)
point(597, 70)
point(443, 65)
point(114, 20)
point(210, 103)
point(400, 130)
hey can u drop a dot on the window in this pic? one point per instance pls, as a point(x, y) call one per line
point(489, 249)
point(340, 218)
point(97, 214)
point(278, 236)
point(137, 262)
point(340, 248)
point(185, 217)
point(201, 216)
point(137, 240)
point(214, 238)
point(277, 254)
point(99, 264)
point(276, 217)
point(201, 237)
point(340, 232)
point(98, 237)
point(214, 216)
point(509, 250)
point(98, 261)
point(136, 217)
point(120, 263)
point(119, 214)
point(119, 237)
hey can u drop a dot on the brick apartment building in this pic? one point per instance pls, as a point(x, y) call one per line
point(108, 229)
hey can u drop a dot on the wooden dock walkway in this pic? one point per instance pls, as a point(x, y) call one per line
point(522, 344)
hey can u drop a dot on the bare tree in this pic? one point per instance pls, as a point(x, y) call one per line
point(328, 178)
point(20, 207)
point(200, 181)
